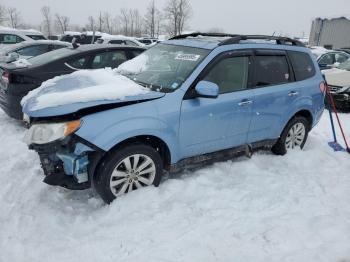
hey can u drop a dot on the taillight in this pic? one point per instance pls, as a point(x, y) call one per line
point(323, 87)
point(6, 77)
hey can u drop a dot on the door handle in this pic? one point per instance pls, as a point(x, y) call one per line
point(293, 93)
point(245, 102)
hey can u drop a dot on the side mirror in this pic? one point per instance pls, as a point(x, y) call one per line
point(207, 89)
point(12, 57)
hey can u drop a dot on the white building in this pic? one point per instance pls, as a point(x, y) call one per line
point(331, 33)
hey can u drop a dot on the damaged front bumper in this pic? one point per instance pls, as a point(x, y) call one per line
point(68, 163)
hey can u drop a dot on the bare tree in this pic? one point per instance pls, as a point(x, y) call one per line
point(124, 20)
point(3, 17)
point(13, 17)
point(62, 23)
point(45, 10)
point(100, 22)
point(135, 22)
point(178, 13)
point(138, 23)
point(91, 26)
point(152, 20)
point(108, 24)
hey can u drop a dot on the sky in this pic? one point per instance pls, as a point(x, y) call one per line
point(287, 17)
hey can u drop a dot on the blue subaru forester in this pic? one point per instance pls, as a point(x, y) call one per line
point(210, 97)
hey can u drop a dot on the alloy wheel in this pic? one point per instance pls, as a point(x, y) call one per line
point(295, 136)
point(133, 172)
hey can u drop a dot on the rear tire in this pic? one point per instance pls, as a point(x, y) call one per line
point(293, 136)
point(127, 169)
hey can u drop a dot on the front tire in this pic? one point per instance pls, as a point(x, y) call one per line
point(293, 136)
point(127, 169)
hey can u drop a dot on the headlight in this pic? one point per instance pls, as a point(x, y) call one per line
point(46, 133)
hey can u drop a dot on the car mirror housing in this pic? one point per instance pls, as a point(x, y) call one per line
point(207, 89)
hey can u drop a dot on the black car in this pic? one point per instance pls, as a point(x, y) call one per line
point(17, 79)
point(82, 39)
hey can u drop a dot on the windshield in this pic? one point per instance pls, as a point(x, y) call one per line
point(163, 67)
point(345, 65)
point(51, 56)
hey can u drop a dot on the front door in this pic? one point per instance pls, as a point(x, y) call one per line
point(212, 124)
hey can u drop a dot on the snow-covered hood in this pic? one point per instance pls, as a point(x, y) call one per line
point(84, 89)
point(337, 77)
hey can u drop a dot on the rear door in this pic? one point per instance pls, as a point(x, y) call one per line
point(275, 91)
point(212, 124)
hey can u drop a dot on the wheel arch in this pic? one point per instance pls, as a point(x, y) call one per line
point(307, 115)
point(155, 142)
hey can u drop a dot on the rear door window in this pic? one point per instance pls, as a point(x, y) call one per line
point(10, 39)
point(79, 63)
point(37, 37)
point(302, 65)
point(341, 58)
point(271, 70)
point(109, 59)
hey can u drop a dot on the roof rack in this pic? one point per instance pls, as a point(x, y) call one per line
point(196, 34)
point(235, 38)
point(280, 40)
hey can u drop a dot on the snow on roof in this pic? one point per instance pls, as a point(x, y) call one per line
point(4, 28)
point(108, 36)
point(84, 33)
point(83, 86)
point(71, 33)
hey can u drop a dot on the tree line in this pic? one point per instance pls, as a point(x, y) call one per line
point(172, 19)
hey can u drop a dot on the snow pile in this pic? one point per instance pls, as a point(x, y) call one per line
point(83, 86)
point(135, 65)
point(268, 208)
point(22, 63)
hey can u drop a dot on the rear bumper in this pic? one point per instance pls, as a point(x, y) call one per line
point(11, 104)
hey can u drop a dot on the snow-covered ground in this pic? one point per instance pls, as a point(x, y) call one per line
point(268, 208)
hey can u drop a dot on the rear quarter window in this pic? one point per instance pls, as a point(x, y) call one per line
point(302, 65)
point(37, 37)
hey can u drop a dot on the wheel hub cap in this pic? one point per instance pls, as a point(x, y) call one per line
point(133, 172)
point(295, 136)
